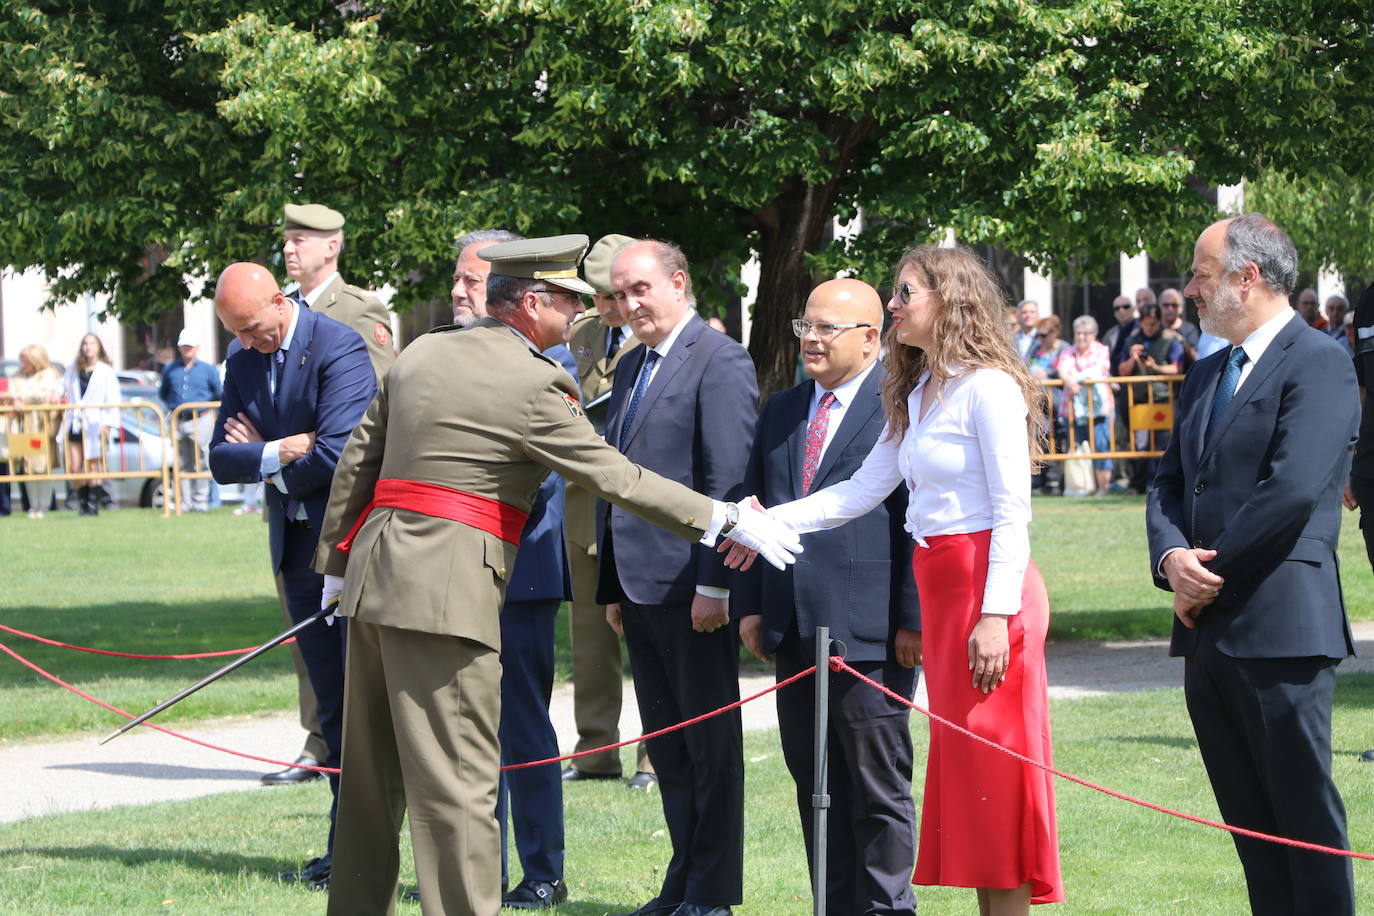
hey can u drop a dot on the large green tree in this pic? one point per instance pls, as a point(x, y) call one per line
point(146, 141)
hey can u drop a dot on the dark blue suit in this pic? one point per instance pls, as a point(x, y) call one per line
point(326, 385)
point(1263, 489)
point(694, 425)
point(855, 579)
point(539, 584)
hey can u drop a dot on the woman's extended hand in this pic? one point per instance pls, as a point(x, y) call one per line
point(989, 652)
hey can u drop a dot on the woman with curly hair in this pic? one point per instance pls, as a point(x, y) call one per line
point(964, 427)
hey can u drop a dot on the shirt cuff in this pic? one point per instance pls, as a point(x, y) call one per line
point(270, 462)
point(1159, 570)
point(708, 538)
point(712, 591)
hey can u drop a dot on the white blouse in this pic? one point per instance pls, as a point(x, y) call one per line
point(967, 465)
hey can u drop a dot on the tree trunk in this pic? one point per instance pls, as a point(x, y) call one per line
point(789, 228)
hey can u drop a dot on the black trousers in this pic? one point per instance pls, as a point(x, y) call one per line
point(680, 673)
point(871, 827)
point(1264, 729)
point(322, 647)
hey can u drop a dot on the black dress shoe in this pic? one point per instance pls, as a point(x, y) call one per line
point(573, 774)
point(654, 908)
point(535, 895)
point(1368, 755)
point(314, 875)
point(701, 909)
point(642, 780)
point(295, 773)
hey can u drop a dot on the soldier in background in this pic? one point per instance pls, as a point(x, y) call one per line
point(599, 342)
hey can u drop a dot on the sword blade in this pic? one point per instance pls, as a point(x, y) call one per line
point(211, 678)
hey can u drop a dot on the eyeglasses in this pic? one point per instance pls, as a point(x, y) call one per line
point(1122, 308)
point(904, 291)
point(556, 292)
point(822, 331)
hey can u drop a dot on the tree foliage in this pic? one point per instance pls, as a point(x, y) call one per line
point(147, 141)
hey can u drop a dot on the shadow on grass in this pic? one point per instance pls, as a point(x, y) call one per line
point(1152, 622)
point(130, 856)
point(152, 628)
point(158, 771)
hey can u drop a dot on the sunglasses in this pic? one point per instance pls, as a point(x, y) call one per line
point(904, 291)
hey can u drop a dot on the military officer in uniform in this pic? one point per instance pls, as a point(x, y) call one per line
point(599, 341)
point(312, 241)
point(424, 517)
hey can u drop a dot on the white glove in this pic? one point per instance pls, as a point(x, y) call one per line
point(773, 541)
point(333, 586)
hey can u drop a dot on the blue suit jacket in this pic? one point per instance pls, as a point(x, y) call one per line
point(1264, 492)
point(855, 579)
point(541, 566)
point(695, 424)
point(327, 383)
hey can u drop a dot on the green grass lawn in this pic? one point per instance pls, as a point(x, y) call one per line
point(220, 854)
point(136, 582)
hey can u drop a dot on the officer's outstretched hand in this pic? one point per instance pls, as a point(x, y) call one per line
point(761, 533)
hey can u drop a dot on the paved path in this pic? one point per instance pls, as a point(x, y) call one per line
point(146, 766)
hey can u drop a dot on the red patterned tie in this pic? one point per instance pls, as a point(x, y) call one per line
point(815, 438)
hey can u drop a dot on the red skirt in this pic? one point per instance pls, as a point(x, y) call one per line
point(987, 820)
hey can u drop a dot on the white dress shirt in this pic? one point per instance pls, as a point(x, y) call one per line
point(967, 465)
point(1259, 340)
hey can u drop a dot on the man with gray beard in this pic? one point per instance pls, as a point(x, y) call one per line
point(1243, 521)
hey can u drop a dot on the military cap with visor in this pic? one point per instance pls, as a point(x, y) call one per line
point(552, 259)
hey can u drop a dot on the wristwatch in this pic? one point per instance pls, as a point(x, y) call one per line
point(731, 518)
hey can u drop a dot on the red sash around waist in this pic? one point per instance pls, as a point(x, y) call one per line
point(481, 512)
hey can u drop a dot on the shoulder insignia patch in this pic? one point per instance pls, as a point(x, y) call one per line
point(574, 408)
point(382, 334)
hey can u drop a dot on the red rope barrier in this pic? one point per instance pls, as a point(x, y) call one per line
point(838, 664)
point(64, 645)
point(128, 715)
point(671, 728)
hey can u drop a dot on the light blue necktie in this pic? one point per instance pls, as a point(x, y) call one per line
point(641, 385)
point(1226, 388)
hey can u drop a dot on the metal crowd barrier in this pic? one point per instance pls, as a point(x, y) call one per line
point(1149, 402)
point(134, 448)
point(191, 415)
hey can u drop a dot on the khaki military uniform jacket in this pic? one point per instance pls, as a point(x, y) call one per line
point(588, 344)
point(477, 411)
point(364, 313)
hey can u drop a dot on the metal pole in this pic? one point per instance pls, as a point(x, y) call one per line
point(820, 788)
point(210, 679)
